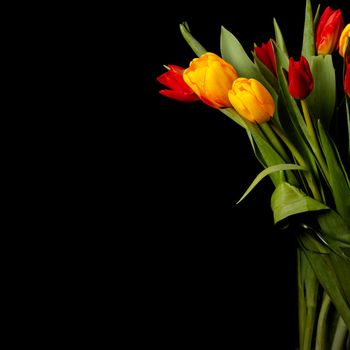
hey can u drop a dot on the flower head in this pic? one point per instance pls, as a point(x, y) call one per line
point(251, 100)
point(211, 77)
point(178, 89)
point(266, 55)
point(344, 38)
point(300, 78)
point(328, 30)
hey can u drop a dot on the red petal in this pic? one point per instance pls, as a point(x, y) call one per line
point(179, 96)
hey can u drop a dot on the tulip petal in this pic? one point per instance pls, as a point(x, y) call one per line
point(179, 96)
point(343, 40)
point(251, 100)
point(178, 88)
point(193, 77)
point(328, 31)
point(260, 92)
point(300, 78)
point(210, 77)
point(255, 108)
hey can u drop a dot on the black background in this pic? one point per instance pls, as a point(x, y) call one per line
point(207, 272)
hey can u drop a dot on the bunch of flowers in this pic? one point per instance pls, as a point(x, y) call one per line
point(298, 123)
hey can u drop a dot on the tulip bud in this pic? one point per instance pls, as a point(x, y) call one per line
point(251, 100)
point(344, 38)
point(179, 90)
point(329, 28)
point(266, 55)
point(300, 78)
point(210, 77)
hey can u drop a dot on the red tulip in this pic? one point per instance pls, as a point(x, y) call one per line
point(266, 55)
point(178, 89)
point(300, 78)
point(329, 28)
point(347, 77)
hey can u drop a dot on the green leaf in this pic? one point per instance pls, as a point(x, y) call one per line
point(233, 52)
point(263, 151)
point(308, 292)
point(334, 233)
point(198, 49)
point(347, 47)
point(321, 101)
point(338, 179)
point(317, 15)
point(288, 200)
point(333, 277)
point(290, 118)
point(268, 75)
point(232, 114)
point(262, 148)
point(281, 45)
point(347, 105)
point(347, 102)
point(268, 171)
point(333, 226)
point(267, 155)
point(342, 268)
point(308, 49)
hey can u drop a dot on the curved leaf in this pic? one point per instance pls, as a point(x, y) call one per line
point(233, 115)
point(289, 200)
point(333, 227)
point(194, 44)
point(268, 171)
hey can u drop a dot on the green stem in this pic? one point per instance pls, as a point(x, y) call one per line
point(348, 124)
point(308, 175)
point(271, 136)
point(322, 323)
point(313, 139)
point(340, 335)
point(301, 300)
point(309, 327)
point(308, 295)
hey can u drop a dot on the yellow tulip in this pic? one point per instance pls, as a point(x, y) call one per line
point(210, 77)
point(344, 37)
point(251, 100)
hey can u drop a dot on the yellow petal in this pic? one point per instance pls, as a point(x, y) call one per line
point(263, 97)
point(256, 110)
point(342, 40)
point(239, 106)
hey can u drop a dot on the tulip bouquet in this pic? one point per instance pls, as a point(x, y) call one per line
point(296, 112)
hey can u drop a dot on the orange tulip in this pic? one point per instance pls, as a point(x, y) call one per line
point(251, 100)
point(211, 77)
point(344, 38)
